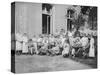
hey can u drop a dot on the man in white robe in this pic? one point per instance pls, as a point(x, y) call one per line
point(25, 46)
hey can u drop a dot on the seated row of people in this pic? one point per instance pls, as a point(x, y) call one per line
point(54, 45)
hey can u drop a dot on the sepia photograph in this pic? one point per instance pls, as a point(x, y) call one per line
point(47, 37)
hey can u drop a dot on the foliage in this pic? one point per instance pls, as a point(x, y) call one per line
point(79, 21)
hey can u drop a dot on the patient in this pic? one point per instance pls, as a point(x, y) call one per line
point(31, 47)
point(66, 48)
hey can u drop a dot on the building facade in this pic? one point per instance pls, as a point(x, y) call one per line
point(39, 18)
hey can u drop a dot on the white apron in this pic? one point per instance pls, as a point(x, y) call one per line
point(92, 50)
point(62, 41)
point(18, 41)
point(25, 46)
point(84, 42)
point(18, 46)
point(66, 49)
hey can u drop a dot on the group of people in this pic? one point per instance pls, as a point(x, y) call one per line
point(68, 44)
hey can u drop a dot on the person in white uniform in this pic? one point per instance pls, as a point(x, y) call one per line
point(34, 39)
point(66, 48)
point(92, 50)
point(62, 38)
point(18, 39)
point(25, 46)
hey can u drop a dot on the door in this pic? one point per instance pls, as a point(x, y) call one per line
point(45, 24)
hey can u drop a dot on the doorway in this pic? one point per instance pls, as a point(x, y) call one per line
point(45, 24)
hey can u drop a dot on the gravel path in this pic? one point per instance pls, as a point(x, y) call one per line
point(35, 63)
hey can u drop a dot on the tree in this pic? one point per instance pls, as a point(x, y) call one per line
point(93, 18)
point(79, 21)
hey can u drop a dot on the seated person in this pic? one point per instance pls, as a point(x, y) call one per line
point(39, 42)
point(31, 47)
point(54, 50)
point(73, 52)
point(51, 41)
point(34, 39)
point(44, 47)
point(85, 41)
point(66, 48)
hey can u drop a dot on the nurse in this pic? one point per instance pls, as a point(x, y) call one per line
point(66, 48)
point(18, 39)
point(92, 50)
point(25, 46)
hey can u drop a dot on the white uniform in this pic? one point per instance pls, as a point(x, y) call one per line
point(45, 40)
point(70, 34)
point(51, 40)
point(35, 44)
point(34, 39)
point(18, 41)
point(62, 41)
point(25, 46)
point(71, 39)
point(66, 49)
point(73, 51)
point(92, 50)
point(39, 40)
point(84, 41)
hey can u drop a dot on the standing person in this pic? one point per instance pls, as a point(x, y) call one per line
point(25, 46)
point(91, 50)
point(70, 36)
point(18, 39)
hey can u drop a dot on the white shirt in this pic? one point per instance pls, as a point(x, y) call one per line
point(70, 34)
point(18, 37)
point(34, 39)
point(84, 41)
point(25, 39)
point(25, 46)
